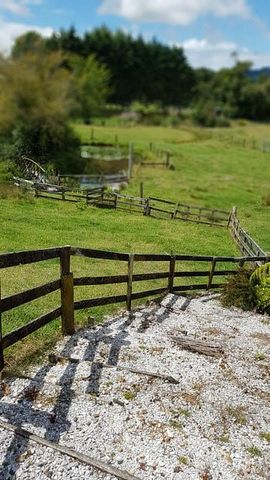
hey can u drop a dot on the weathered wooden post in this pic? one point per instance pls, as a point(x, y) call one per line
point(129, 283)
point(147, 208)
point(1, 336)
point(141, 189)
point(171, 274)
point(130, 160)
point(67, 293)
point(211, 273)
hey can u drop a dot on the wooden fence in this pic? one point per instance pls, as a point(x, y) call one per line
point(244, 241)
point(100, 179)
point(67, 283)
point(160, 208)
point(166, 163)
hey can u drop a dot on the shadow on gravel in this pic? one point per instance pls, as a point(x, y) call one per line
point(55, 422)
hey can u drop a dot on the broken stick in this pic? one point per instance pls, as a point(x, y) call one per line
point(81, 457)
point(168, 378)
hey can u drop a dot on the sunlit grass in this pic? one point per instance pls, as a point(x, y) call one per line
point(208, 172)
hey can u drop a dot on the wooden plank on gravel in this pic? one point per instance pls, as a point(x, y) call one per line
point(59, 358)
point(198, 346)
point(81, 457)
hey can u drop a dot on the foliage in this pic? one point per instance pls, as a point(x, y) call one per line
point(90, 86)
point(37, 108)
point(260, 280)
point(239, 292)
point(234, 92)
point(145, 71)
point(206, 114)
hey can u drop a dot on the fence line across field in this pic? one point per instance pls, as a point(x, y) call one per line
point(66, 284)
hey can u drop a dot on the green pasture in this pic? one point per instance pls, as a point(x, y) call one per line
point(207, 171)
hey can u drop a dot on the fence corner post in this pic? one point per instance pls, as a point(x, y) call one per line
point(211, 273)
point(2, 364)
point(171, 274)
point(67, 293)
point(129, 283)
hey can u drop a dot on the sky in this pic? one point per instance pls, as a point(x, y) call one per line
point(208, 30)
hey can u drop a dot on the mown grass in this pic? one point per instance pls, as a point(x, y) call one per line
point(207, 172)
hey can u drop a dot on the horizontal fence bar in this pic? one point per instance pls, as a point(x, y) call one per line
point(184, 288)
point(90, 253)
point(29, 256)
point(107, 280)
point(95, 302)
point(204, 273)
point(31, 327)
point(169, 202)
point(7, 303)
point(148, 293)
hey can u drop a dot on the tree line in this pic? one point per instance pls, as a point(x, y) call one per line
point(45, 83)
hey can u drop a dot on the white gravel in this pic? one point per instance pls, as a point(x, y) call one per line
point(210, 426)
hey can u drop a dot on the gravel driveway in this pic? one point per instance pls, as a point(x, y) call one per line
point(213, 424)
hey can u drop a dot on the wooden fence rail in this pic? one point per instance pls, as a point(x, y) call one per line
point(244, 241)
point(66, 284)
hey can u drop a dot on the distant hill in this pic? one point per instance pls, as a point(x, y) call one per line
point(254, 74)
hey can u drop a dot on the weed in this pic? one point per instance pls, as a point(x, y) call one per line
point(175, 424)
point(183, 460)
point(129, 395)
point(181, 411)
point(224, 438)
point(260, 356)
point(254, 451)
point(238, 414)
point(265, 436)
point(239, 292)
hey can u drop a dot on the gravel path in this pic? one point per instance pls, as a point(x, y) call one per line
point(213, 425)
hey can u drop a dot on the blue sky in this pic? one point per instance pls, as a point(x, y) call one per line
point(208, 30)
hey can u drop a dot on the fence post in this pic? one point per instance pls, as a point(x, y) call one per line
point(147, 208)
point(211, 273)
point(129, 283)
point(115, 200)
point(130, 160)
point(175, 211)
point(141, 189)
point(67, 293)
point(1, 345)
point(171, 274)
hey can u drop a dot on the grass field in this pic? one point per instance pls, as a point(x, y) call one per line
point(208, 171)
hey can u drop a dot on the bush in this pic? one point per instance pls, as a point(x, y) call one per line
point(239, 291)
point(205, 114)
point(260, 281)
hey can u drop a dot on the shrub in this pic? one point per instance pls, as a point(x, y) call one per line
point(206, 115)
point(260, 281)
point(239, 291)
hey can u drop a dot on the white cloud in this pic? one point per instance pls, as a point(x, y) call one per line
point(10, 31)
point(202, 53)
point(176, 12)
point(18, 7)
